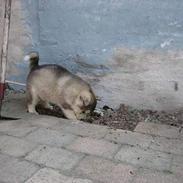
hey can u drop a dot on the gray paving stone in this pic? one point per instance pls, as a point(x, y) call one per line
point(48, 121)
point(54, 157)
point(180, 132)
point(174, 146)
point(16, 128)
point(94, 147)
point(13, 170)
point(85, 129)
point(144, 157)
point(177, 165)
point(15, 146)
point(157, 129)
point(105, 171)
point(150, 176)
point(47, 175)
point(128, 137)
point(51, 137)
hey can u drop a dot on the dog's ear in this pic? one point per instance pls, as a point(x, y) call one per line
point(85, 99)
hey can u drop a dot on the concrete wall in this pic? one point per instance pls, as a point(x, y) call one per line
point(131, 51)
point(20, 39)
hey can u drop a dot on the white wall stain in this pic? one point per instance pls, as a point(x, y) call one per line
point(104, 50)
point(166, 43)
point(169, 34)
point(175, 24)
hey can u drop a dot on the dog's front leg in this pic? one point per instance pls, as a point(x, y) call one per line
point(69, 114)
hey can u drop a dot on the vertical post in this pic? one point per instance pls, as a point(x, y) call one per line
point(4, 51)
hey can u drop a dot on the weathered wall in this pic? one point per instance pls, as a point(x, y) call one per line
point(20, 38)
point(2, 5)
point(130, 50)
point(92, 29)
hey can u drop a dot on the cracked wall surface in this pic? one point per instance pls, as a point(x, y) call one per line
point(131, 51)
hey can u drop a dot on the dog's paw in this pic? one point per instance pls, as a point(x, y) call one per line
point(32, 110)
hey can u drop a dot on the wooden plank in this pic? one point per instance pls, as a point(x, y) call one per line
point(5, 37)
point(5, 40)
point(2, 11)
point(6, 26)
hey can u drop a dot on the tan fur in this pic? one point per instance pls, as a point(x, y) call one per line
point(54, 84)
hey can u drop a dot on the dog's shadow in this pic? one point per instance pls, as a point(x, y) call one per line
point(56, 111)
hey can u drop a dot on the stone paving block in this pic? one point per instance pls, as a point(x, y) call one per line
point(16, 128)
point(174, 146)
point(144, 157)
point(94, 147)
point(48, 121)
point(13, 170)
point(180, 132)
point(54, 157)
point(177, 165)
point(51, 137)
point(15, 146)
point(128, 137)
point(158, 129)
point(85, 129)
point(150, 176)
point(47, 175)
point(105, 171)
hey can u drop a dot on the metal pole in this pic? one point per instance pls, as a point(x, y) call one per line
point(15, 83)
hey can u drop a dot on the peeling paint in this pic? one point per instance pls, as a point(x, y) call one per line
point(175, 24)
point(166, 43)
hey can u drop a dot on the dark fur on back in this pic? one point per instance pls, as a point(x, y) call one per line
point(57, 69)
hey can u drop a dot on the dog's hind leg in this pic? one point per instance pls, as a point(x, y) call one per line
point(32, 101)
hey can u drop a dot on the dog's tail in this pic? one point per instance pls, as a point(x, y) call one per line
point(33, 59)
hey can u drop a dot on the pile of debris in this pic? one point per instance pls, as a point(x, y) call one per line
point(125, 117)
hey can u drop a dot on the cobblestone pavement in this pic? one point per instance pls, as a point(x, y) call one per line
point(44, 149)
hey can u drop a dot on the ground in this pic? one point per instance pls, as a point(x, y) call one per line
point(45, 149)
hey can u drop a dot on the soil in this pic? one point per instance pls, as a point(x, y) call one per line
point(125, 117)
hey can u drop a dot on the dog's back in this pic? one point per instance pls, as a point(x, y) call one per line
point(52, 81)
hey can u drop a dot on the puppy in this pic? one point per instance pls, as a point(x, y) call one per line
point(54, 84)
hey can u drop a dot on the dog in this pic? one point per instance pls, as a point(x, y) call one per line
point(54, 84)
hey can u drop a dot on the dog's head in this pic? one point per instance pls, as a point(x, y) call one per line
point(85, 102)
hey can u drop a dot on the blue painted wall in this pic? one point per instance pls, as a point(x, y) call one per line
point(65, 31)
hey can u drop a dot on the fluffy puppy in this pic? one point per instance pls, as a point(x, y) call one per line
point(54, 84)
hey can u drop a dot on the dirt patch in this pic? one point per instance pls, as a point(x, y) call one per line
point(125, 117)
